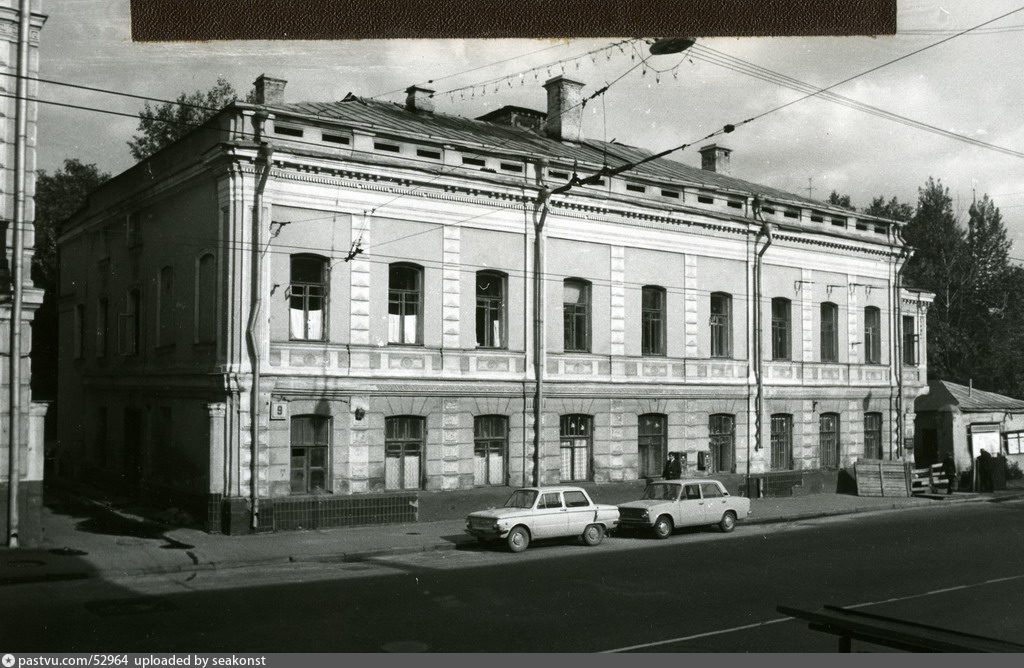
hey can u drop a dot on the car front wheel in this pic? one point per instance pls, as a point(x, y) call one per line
point(663, 527)
point(728, 522)
point(593, 534)
point(518, 539)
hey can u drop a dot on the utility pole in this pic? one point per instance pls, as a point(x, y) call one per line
point(810, 187)
point(17, 275)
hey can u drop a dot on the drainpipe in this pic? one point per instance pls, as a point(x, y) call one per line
point(18, 276)
point(538, 327)
point(265, 156)
point(897, 327)
point(766, 231)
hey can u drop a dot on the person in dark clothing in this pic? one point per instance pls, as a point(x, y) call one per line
point(673, 468)
point(949, 470)
point(985, 471)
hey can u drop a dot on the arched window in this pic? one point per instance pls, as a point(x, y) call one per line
point(490, 309)
point(721, 324)
point(828, 440)
point(307, 297)
point(576, 315)
point(310, 441)
point(722, 432)
point(782, 442)
point(490, 450)
point(652, 444)
point(206, 299)
point(576, 434)
point(403, 452)
point(829, 332)
point(652, 320)
point(405, 303)
point(781, 348)
point(872, 335)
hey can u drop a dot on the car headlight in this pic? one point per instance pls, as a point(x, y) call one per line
point(645, 514)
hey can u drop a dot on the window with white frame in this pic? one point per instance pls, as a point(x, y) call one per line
point(405, 304)
point(403, 451)
point(490, 309)
point(1014, 442)
point(307, 297)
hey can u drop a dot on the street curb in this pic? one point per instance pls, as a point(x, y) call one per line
point(363, 555)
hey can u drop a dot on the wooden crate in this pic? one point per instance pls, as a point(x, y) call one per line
point(882, 477)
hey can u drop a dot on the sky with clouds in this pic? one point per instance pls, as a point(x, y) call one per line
point(971, 85)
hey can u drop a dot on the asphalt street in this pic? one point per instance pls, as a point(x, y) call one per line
point(958, 567)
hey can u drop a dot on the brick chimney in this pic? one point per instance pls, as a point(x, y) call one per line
point(715, 158)
point(565, 109)
point(418, 99)
point(269, 90)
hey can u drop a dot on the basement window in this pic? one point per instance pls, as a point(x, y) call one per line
point(287, 131)
point(636, 188)
point(670, 193)
point(427, 153)
point(334, 139)
point(473, 162)
point(790, 213)
point(512, 167)
point(736, 204)
point(390, 148)
point(705, 199)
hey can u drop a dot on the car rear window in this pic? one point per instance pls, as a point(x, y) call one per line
point(576, 499)
point(710, 490)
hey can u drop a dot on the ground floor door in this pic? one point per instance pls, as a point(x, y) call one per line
point(927, 451)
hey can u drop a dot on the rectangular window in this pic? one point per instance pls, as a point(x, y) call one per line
point(78, 331)
point(206, 299)
point(873, 435)
point(473, 162)
point(405, 304)
point(782, 442)
point(1015, 443)
point(828, 440)
point(652, 320)
point(128, 324)
point(652, 444)
point(635, 188)
point(872, 335)
point(722, 431)
point(705, 199)
point(307, 297)
point(670, 193)
point(490, 449)
point(388, 148)
point(829, 332)
point(427, 153)
point(165, 327)
point(576, 315)
point(102, 326)
point(403, 452)
point(133, 229)
point(490, 309)
point(576, 439)
point(511, 167)
point(287, 131)
point(334, 139)
point(780, 328)
point(721, 325)
point(909, 341)
point(310, 440)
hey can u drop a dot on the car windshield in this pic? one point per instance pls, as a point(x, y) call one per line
point(521, 498)
point(660, 491)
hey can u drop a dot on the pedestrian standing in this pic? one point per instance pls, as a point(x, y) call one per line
point(673, 468)
point(949, 470)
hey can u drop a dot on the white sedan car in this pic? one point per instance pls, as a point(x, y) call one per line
point(668, 505)
point(533, 513)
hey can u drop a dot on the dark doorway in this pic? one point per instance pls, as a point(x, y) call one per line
point(927, 452)
point(131, 471)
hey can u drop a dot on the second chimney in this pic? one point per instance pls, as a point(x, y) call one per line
point(565, 109)
point(269, 90)
point(418, 99)
point(715, 158)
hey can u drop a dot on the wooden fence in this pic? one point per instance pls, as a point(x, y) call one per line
point(881, 477)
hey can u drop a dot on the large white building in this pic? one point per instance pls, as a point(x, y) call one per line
point(368, 267)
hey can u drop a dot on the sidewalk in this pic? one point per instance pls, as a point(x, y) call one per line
point(87, 539)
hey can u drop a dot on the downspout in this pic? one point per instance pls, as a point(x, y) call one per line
point(538, 326)
point(264, 157)
point(18, 275)
point(901, 263)
point(765, 230)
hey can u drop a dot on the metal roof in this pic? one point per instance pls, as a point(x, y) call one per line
point(395, 118)
point(944, 393)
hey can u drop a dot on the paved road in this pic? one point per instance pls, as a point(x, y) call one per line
point(957, 567)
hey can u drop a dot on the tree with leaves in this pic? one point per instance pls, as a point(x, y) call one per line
point(58, 195)
point(163, 124)
point(841, 200)
point(893, 209)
